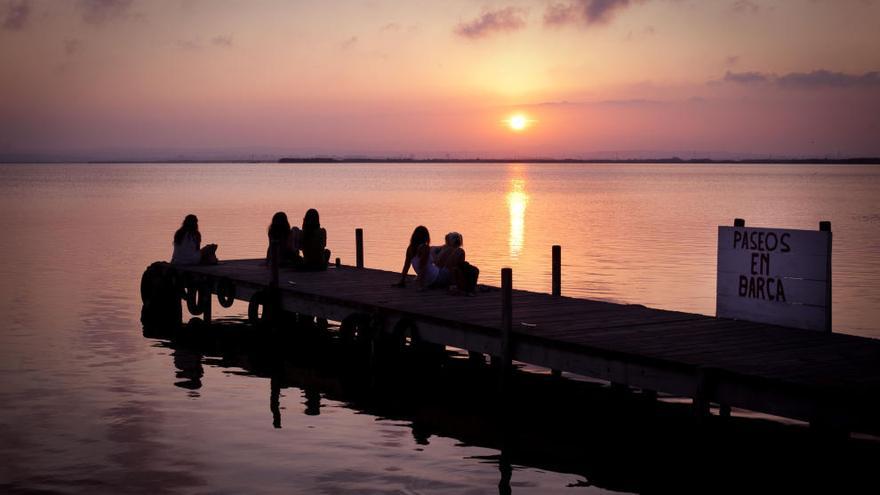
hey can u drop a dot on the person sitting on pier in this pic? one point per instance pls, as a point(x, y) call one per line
point(312, 240)
point(279, 231)
point(451, 257)
point(420, 256)
point(187, 240)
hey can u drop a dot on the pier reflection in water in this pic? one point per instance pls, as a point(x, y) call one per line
point(607, 438)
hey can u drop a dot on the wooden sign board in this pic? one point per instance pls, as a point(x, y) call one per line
point(776, 276)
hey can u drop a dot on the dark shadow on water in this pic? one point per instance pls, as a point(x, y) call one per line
point(614, 440)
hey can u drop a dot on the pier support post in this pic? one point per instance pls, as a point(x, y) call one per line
point(274, 262)
point(702, 392)
point(825, 226)
point(338, 262)
point(557, 271)
point(556, 286)
point(506, 327)
point(272, 305)
point(206, 305)
point(359, 246)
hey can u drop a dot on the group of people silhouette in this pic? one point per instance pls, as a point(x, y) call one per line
point(305, 249)
point(439, 267)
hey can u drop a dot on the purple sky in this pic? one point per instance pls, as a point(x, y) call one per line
point(594, 78)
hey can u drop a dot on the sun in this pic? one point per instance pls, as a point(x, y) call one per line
point(518, 122)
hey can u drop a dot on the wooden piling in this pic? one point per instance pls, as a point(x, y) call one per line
point(206, 307)
point(506, 324)
point(557, 270)
point(338, 262)
point(274, 262)
point(556, 286)
point(359, 246)
point(825, 226)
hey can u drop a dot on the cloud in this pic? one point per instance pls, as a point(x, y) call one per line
point(99, 12)
point(746, 77)
point(828, 79)
point(731, 60)
point(72, 47)
point(223, 41)
point(17, 15)
point(188, 45)
point(506, 19)
point(817, 79)
point(587, 12)
point(349, 43)
point(745, 7)
point(559, 14)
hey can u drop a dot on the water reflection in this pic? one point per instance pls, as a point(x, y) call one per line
point(609, 441)
point(517, 200)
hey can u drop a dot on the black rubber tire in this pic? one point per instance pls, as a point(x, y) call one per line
point(194, 300)
point(225, 292)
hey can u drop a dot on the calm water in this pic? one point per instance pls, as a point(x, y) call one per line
point(89, 404)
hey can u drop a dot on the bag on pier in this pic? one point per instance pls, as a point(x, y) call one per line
point(470, 274)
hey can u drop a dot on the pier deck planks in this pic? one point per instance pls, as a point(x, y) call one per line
point(796, 373)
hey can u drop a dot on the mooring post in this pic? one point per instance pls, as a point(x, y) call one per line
point(556, 286)
point(702, 392)
point(271, 307)
point(338, 262)
point(557, 270)
point(825, 226)
point(206, 309)
point(506, 326)
point(359, 246)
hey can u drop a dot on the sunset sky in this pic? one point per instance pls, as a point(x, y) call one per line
point(610, 78)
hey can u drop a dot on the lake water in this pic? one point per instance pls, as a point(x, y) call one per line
point(88, 404)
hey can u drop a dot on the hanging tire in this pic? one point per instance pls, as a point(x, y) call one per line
point(356, 328)
point(225, 292)
point(194, 302)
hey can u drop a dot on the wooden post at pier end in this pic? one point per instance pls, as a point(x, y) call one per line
point(506, 326)
point(825, 226)
point(556, 286)
point(338, 262)
point(557, 270)
point(359, 247)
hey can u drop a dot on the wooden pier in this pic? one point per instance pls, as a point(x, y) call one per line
point(830, 380)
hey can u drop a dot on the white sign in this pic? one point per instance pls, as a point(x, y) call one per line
point(776, 276)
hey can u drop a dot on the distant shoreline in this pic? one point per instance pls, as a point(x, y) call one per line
point(672, 160)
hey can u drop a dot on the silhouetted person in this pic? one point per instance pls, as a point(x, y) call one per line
point(312, 240)
point(279, 230)
point(451, 257)
point(187, 240)
point(420, 256)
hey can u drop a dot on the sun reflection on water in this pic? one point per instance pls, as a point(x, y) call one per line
point(517, 200)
